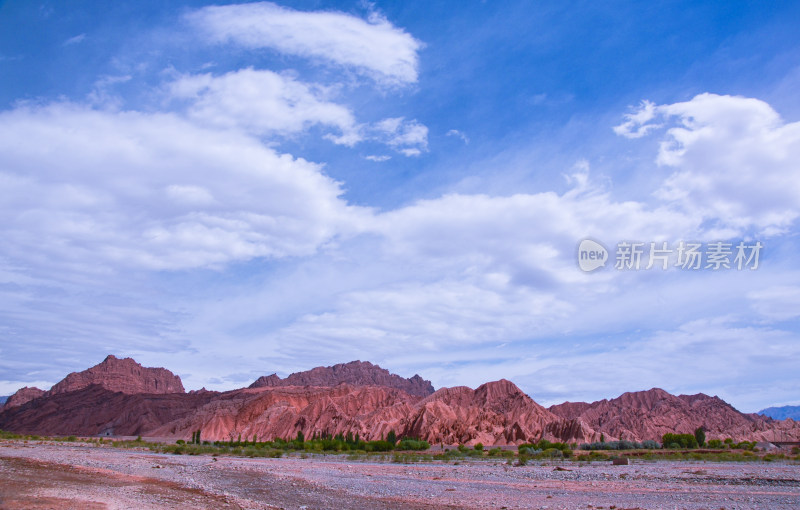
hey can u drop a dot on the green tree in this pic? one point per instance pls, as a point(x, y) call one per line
point(300, 437)
point(700, 436)
point(391, 437)
point(681, 440)
point(479, 447)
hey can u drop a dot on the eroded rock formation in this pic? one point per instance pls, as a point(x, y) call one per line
point(120, 397)
point(355, 373)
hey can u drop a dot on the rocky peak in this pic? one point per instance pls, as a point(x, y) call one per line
point(354, 373)
point(124, 375)
point(23, 396)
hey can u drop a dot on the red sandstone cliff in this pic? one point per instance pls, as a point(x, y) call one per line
point(641, 415)
point(121, 397)
point(124, 375)
point(22, 396)
point(355, 373)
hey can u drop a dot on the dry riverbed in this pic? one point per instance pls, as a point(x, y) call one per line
point(65, 475)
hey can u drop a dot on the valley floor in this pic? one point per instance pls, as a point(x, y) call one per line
point(65, 476)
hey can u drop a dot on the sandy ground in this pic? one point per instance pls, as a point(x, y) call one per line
point(66, 476)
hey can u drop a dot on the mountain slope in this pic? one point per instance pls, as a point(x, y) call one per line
point(650, 414)
point(120, 397)
point(355, 373)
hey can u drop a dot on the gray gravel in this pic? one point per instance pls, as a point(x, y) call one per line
point(336, 482)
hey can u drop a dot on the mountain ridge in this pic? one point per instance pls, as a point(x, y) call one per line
point(357, 373)
point(781, 412)
point(362, 398)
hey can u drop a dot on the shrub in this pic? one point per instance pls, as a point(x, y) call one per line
point(622, 445)
point(379, 446)
point(180, 441)
point(682, 440)
point(553, 453)
point(412, 444)
point(479, 447)
point(714, 443)
point(543, 444)
point(494, 452)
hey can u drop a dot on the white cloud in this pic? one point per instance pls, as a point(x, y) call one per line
point(737, 162)
point(378, 159)
point(374, 47)
point(636, 123)
point(152, 190)
point(409, 138)
point(263, 102)
point(456, 132)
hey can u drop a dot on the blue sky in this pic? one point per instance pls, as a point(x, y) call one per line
point(231, 190)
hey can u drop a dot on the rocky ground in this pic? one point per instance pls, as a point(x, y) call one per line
point(56, 475)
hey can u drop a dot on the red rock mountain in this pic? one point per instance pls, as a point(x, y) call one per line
point(355, 373)
point(651, 414)
point(124, 375)
point(114, 374)
point(22, 396)
point(119, 397)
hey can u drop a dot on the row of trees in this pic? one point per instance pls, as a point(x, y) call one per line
point(321, 441)
point(341, 442)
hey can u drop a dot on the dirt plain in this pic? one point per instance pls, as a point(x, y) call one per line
point(82, 476)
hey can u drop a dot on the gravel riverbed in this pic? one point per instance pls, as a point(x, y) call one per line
point(65, 475)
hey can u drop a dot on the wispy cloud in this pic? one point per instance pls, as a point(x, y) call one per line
point(374, 46)
point(459, 134)
point(409, 138)
point(75, 40)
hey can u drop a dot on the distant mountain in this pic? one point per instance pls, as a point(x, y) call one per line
point(781, 413)
point(355, 373)
point(123, 375)
point(120, 397)
point(113, 374)
point(22, 396)
point(651, 414)
point(3, 401)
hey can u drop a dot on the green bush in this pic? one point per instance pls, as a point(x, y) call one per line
point(541, 445)
point(494, 452)
point(622, 445)
point(553, 453)
point(379, 446)
point(714, 443)
point(682, 440)
point(412, 444)
point(479, 447)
